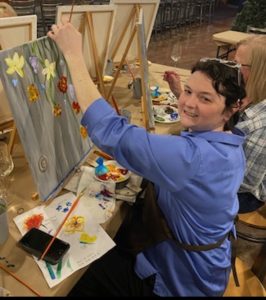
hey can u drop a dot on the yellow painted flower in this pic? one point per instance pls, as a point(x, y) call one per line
point(85, 238)
point(83, 132)
point(15, 64)
point(76, 223)
point(33, 93)
point(57, 110)
point(49, 70)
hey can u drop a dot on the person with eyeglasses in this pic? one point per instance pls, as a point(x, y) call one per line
point(196, 177)
point(251, 55)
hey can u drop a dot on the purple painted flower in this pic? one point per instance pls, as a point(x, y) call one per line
point(34, 63)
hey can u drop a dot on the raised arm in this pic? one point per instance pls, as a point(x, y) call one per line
point(69, 40)
point(173, 80)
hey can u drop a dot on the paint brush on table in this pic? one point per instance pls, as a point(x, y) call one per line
point(19, 280)
point(75, 203)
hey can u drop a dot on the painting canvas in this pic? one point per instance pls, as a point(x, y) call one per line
point(101, 29)
point(125, 22)
point(42, 98)
point(14, 31)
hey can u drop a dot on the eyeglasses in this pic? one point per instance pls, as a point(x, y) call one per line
point(228, 63)
point(245, 65)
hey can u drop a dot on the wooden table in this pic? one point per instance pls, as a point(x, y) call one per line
point(22, 188)
point(228, 40)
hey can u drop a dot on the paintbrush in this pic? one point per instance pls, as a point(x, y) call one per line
point(75, 203)
point(19, 280)
point(71, 12)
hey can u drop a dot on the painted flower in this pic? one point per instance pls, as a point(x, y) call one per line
point(49, 70)
point(34, 63)
point(76, 223)
point(62, 84)
point(57, 110)
point(33, 93)
point(33, 221)
point(83, 132)
point(71, 90)
point(76, 107)
point(85, 238)
point(15, 64)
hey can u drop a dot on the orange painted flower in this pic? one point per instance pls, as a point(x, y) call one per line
point(34, 221)
point(62, 84)
point(76, 107)
point(57, 110)
point(83, 132)
point(33, 93)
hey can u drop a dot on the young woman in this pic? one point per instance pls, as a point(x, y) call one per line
point(251, 54)
point(196, 177)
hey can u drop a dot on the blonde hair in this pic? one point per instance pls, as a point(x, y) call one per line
point(256, 55)
point(6, 10)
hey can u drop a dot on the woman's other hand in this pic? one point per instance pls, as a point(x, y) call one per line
point(67, 37)
point(174, 82)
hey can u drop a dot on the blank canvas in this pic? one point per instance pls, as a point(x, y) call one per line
point(123, 28)
point(102, 19)
point(14, 31)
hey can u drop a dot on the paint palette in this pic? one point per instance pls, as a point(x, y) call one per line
point(165, 114)
point(165, 97)
point(116, 173)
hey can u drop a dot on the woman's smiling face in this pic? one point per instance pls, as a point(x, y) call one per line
point(200, 107)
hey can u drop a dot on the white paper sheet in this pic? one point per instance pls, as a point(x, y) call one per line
point(80, 254)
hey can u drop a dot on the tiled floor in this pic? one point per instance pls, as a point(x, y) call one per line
point(196, 40)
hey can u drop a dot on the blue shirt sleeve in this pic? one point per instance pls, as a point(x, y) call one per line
point(146, 154)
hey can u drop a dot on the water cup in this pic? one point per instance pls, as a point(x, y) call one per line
point(137, 93)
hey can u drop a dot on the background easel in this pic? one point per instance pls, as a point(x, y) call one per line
point(95, 22)
point(14, 31)
point(137, 17)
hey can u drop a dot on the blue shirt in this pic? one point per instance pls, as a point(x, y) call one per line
point(197, 176)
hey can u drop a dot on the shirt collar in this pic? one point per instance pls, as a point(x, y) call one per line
point(236, 138)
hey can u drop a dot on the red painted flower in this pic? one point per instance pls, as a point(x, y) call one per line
point(62, 84)
point(76, 107)
point(34, 221)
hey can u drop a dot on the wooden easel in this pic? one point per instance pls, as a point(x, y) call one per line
point(11, 128)
point(136, 16)
point(9, 40)
point(87, 21)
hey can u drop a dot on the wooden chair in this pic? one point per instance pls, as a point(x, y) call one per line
point(251, 228)
point(250, 285)
point(23, 7)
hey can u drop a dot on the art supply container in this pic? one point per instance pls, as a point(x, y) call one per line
point(137, 93)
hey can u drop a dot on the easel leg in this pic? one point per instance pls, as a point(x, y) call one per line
point(12, 139)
